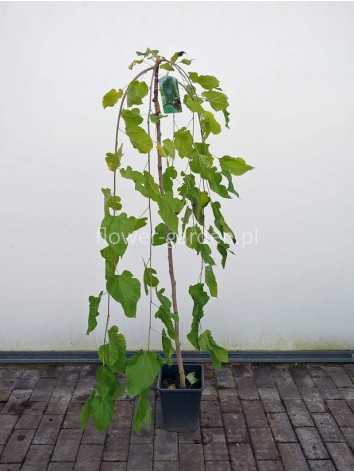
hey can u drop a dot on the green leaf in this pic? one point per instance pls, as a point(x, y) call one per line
point(220, 222)
point(106, 381)
point(102, 410)
point(111, 259)
point(227, 119)
point(164, 313)
point(210, 280)
point(199, 202)
point(110, 201)
point(165, 302)
point(108, 384)
point(149, 279)
point(116, 229)
point(148, 52)
point(223, 252)
point(111, 98)
point(155, 118)
point(177, 55)
point(183, 142)
point(186, 217)
point(200, 299)
point(205, 252)
point(117, 348)
point(142, 412)
point(187, 62)
point(218, 100)
point(86, 410)
point(208, 82)
point(209, 124)
point(169, 207)
point(159, 236)
point(231, 187)
point(218, 354)
point(114, 159)
point(191, 90)
point(198, 199)
point(215, 178)
point(201, 159)
point(167, 347)
point(191, 378)
point(235, 165)
point(142, 370)
point(113, 354)
point(144, 182)
point(136, 91)
point(167, 178)
point(93, 312)
point(169, 148)
point(119, 390)
point(194, 238)
point(167, 66)
point(194, 104)
point(139, 138)
point(222, 247)
point(132, 117)
point(125, 289)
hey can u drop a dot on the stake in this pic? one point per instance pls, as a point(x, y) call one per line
point(182, 377)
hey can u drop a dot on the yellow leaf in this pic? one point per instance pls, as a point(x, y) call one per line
point(161, 150)
point(134, 63)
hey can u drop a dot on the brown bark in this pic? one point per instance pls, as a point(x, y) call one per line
point(182, 378)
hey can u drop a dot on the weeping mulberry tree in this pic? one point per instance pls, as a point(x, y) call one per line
point(187, 203)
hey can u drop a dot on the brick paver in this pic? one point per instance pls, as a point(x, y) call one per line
point(341, 455)
point(311, 443)
point(292, 456)
point(327, 427)
point(210, 414)
point(67, 445)
point(117, 445)
point(327, 388)
point(89, 457)
point(247, 388)
point(48, 429)
point(253, 417)
point(321, 465)
point(217, 465)
point(263, 444)
point(191, 457)
point(271, 400)
point(281, 427)
point(229, 403)
point(235, 427)
point(242, 457)
point(269, 465)
point(298, 413)
point(38, 457)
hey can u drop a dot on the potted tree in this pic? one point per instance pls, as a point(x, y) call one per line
point(184, 198)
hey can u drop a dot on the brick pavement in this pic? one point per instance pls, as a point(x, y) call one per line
point(253, 417)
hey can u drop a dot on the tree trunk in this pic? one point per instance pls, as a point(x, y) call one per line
point(182, 378)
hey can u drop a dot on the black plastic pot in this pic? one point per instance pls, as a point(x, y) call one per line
point(180, 407)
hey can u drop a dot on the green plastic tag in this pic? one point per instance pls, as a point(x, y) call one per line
point(171, 100)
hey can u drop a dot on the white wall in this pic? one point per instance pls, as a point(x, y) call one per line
point(288, 69)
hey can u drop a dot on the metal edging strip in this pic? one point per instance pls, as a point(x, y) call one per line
point(87, 357)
